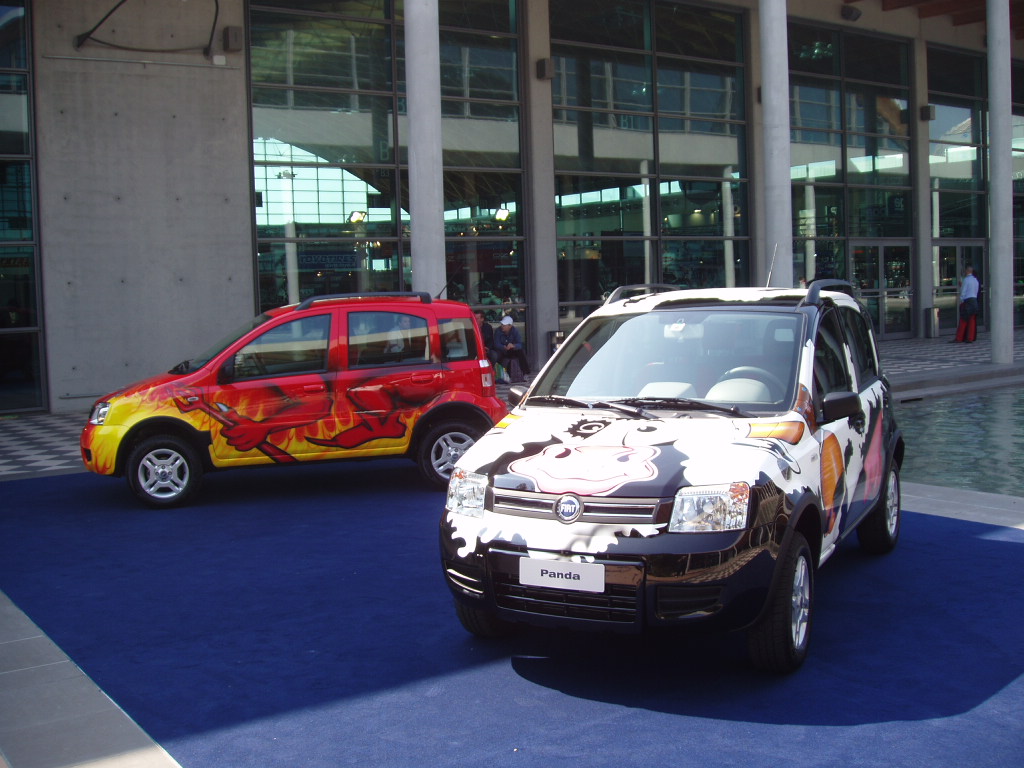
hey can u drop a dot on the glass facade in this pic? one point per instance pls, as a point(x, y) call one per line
point(330, 149)
point(650, 148)
point(21, 385)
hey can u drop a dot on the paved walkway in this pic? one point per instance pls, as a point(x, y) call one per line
point(51, 714)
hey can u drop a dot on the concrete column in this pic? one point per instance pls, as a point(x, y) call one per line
point(999, 281)
point(539, 185)
point(777, 248)
point(426, 188)
point(924, 274)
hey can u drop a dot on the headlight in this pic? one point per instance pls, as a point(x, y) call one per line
point(710, 508)
point(466, 493)
point(99, 413)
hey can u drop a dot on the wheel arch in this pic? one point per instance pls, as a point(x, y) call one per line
point(163, 426)
point(455, 411)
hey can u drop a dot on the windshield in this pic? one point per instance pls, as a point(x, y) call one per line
point(200, 360)
point(728, 356)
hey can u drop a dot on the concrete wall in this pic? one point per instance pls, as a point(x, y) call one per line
point(144, 190)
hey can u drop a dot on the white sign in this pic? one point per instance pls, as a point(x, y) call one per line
point(562, 574)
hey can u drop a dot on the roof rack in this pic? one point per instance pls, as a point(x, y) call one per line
point(423, 296)
point(644, 289)
point(817, 286)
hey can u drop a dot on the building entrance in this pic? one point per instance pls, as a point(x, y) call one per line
point(882, 273)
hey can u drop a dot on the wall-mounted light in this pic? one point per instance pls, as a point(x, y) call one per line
point(356, 217)
point(545, 69)
point(927, 112)
point(849, 13)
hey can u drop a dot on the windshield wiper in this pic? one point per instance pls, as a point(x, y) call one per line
point(684, 403)
point(619, 405)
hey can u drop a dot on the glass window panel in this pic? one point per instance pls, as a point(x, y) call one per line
point(482, 204)
point(13, 50)
point(955, 123)
point(18, 288)
point(477, 134)
point(705, 263)
point(875, 59)
point(317, 52)
point(813, 50)
point(602, 142)
point(16, 201)
point(21, 381)
point(589, 270)
point(331, 201)
point(324, 126)
point(486, 272)
point(14, 132)
point(819, 259)
point(585, 77)
point(879, 212)
point(953, 166)
point(876, 110)
point(490, 15)
point(478, 67)
point(585, 205)
point(622, 24)
point(704, 208)
point(373, 9)
point(698, 148)
point(959, 214)
point(814, 105)
point(818, 211)
point(955, 72)
point(816, 157)
point(700, 90)
point(870, 160)
point(291, 271)
point(699, 32)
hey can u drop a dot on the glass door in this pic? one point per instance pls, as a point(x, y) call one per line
point(882, 273)
point(950, 262)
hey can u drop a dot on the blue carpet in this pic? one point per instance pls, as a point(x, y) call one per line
point(298, 617)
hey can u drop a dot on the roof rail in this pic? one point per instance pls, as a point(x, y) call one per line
point(643, 289)
point(423, 296)
point(817, 286)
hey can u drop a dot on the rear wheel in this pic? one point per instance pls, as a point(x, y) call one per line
point(164, 471)
point(441, 447)
point(779, 642)
point(481, 623)
point(880, 530)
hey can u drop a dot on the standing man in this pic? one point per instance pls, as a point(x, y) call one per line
point(967, 330)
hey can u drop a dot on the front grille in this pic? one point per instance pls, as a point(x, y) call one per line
point(596, 509)
point(617, 604)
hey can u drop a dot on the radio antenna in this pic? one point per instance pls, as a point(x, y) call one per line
point(771, 266)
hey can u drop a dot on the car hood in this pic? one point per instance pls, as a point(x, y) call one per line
point(597, 452)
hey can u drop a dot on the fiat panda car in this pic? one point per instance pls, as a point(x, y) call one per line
point(686, 459)
point(333, 377)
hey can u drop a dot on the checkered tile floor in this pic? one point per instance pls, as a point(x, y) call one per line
point(39, 445)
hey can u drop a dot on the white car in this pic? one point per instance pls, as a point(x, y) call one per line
point(685, 459)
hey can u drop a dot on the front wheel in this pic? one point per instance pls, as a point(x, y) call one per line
point(779, 642)
point(164, 471)
point(441, 447)
point(880, 530)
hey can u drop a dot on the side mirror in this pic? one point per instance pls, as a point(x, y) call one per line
point(226, 374)
point(841, 405)
point(515, 395)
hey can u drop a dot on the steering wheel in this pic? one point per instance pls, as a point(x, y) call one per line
point(767, 378)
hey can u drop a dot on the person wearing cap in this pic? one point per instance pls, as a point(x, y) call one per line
point(509, 345)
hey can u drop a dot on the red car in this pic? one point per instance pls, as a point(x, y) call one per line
point(334, 377)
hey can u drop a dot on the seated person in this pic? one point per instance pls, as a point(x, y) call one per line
point(488, 336)
point(509, 346)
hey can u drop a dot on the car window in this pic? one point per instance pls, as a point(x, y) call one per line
point(458, 339)
point(382, 338)
point(830, 372)
point(861, 346)
point(298, 346)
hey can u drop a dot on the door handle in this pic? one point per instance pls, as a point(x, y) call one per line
point(312, 388)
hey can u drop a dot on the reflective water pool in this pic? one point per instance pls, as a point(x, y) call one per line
point(974, 441)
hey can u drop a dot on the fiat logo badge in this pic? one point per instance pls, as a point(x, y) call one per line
point(569, 508)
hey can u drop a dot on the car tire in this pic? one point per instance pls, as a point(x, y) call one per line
point(164, 471)
point(779, 641)
point(441, 447)
point(481, 623)
point(880, 530)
